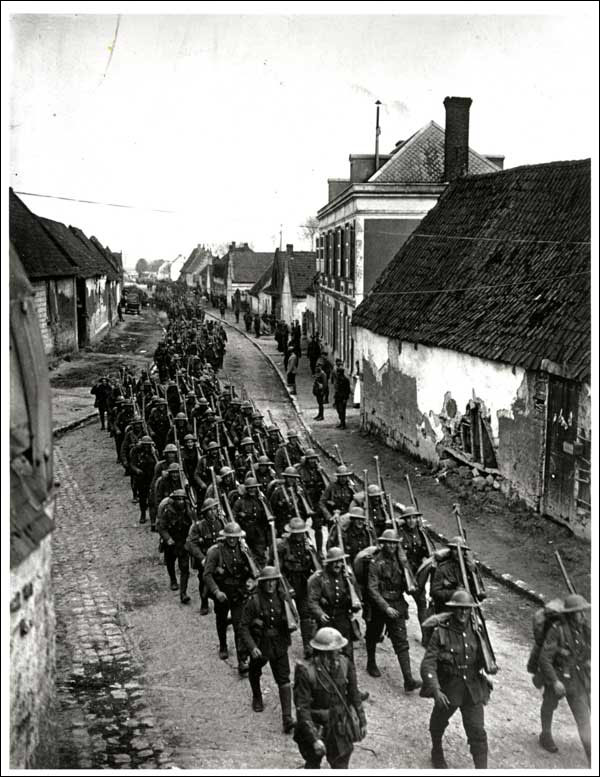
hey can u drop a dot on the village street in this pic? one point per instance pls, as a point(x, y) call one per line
point(140, 683)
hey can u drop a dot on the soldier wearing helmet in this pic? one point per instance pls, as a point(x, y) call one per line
point(212, 458)
point(329, 596)
point(298, 560)
point(169, 457)
point(564, 671)
point(337, 495)
point(133, 434)
point(175, 517)
point(102, 391)
point(158, 424)
point(265, 474)
point(203, 534)
point(180, 428)
point(415, 548)
point(289, 452)
point(246, 455)
point(386, 585)
point(227, 573)
point(123, 418)
point(191, 465)
point(169, 482)
point(452, 672)
point(447, 577)
point(142, 462)
point(273, 441)
point(313, 483)
point(265, 634)
point(325, 689)
point(226, 484)
point(249, 512)
point(285, 498)
point(355, 534)
point(377, 513)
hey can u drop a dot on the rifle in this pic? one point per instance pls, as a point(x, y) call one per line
point(355, 602)
point(274, 424)
point(477, 619)
point(254, 570)
point(368, 519)
point(185, 483)
point(479, 593)
point(409, 578)
point(261, 444)
point(386, 502)
point(340, 461)
point(291, 613)
point(213, 478)
point(566, 578)
point(424, 533)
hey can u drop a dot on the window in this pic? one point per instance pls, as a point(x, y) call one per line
point(352, 253)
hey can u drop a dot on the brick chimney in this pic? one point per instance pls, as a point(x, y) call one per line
point(289, 249)
point(456, 147)
point(232, 246)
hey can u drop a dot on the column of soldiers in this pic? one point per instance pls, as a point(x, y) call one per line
point(240, 502)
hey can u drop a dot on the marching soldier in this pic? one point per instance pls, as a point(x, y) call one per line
point(338, 495)
point(133, 434)
point(452, 672)
point(265, 634)
point(169, 482)
point(158, 424)
point(179, 429)
point(377, 514)
point(282, 499)
point(174, 521)
point(289, 453)
point(203, 534)
point(170, 457)
point(313, 483)
point(298, 561)
point(447, 577)
point(356, 536)
point(212, 458)
point(328, 703)
point(227, 572)
point(191, 465)
point(142, 463)
point(226, 483)
point(247, 454)
point(102, 391)
point(265, 474)
point(415, 548)
point(249, 512)
point(564, 671)
point(388, 608)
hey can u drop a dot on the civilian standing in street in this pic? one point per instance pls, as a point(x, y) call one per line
point(292, 369)
point(341, 395)
point(313, 352)
point(319, 390)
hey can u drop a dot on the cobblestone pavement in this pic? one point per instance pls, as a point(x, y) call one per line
point(140, 681)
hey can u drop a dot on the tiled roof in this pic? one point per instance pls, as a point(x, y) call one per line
point(421, 160)
point(194, 260)
point(105, 252)
point(39, 253)
point(262, 283)
point(94, 248)
point(248, 265)
point(303, 265)
point(84, 256)
point(499, 268)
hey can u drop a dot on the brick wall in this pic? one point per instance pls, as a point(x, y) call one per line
point(32, 662)
point(39, 288)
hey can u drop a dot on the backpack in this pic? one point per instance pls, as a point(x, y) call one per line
point(361, 565)
point(543, 619)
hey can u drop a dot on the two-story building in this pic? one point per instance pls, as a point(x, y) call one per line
point(370, 215)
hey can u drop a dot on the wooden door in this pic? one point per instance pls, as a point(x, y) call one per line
point(559, 487)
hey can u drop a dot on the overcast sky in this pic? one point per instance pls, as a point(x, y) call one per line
point(235, 123)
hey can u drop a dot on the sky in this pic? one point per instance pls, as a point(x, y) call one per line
point(216, 128)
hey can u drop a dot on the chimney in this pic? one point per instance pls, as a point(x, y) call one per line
point(336, 186)
point(456, 148)
point(244, 245)
point(232, 246)
point(289, 249)
point(496, 159)
point(362, 166)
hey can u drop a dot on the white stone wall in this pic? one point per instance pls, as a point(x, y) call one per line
point(97, 309)
point(31, 659)
point(39, 288)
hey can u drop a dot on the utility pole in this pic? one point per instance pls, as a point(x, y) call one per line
point(280, 236)
point(377, 133)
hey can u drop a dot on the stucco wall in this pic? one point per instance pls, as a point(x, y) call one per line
point(58, 323)
point(39, 288)
point(407, 390)
point(96, 307)
point(32, 661)
point(298, 308)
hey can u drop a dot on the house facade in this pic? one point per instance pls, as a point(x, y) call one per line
point(260, 294)
point(292, 274)
point(371, 214)
point(238, 271)
point(192, 271)
point(475, 340)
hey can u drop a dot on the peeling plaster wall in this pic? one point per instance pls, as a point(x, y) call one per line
point(298, 309)
point(96, 307)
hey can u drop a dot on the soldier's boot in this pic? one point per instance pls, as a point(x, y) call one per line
point(285, 699)
point(204, 604)
point(307, 630)
point(480, 757)
point(438, 760)
point(183, 594)
point(142, 516)
point(546, 740)
point(410, 683)
point(222, 634)
point(257, 700)
point(372, 667)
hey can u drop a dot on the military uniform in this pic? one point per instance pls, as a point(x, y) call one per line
point(378, 516)
point(142, 465)
point(202, 536)
point(226, 569)
point(335, 497)
point(174, 524)
point(446, 580)
point(452, 664)
point(385, 588)
point(158, 423)
point(320, 713)
point(329, 594)
point(281, 459)
point(312, 483)
point(416, 551)
point(249, 512)
point(354, 539)
point(297, 563)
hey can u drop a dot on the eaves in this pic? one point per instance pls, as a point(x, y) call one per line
point(380, 190)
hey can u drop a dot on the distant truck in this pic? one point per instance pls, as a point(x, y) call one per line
point(131, 300)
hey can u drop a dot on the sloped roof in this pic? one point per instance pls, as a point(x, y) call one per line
point(108, 257)
point(302, 265)
point(248, 265)
point(263, 282)
point(39, 253)
point(194, 259)
point(89, 264)
point(420, 159)
point(499, 268)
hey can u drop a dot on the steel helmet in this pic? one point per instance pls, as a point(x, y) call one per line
point(389, 535)
point(296, 526)
point(268, 573)
point(328, 638)
point(291, 433)
point(170, 448)
point(246, 441)
point(251, 482)
point(212, 446)
point(410, 512)
point(575, 603)
point(179, 493)
point(232, 529)
point(180, 417)
point(264, 460)
point(357, 512)
point(310, 453)
point(290, 472)
point(342, 470)
point(189, 437)
point(461, 598)
point(208, 504)
point(146, 440)
point(224, 471)
point(174, 467)
point(335, 554)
